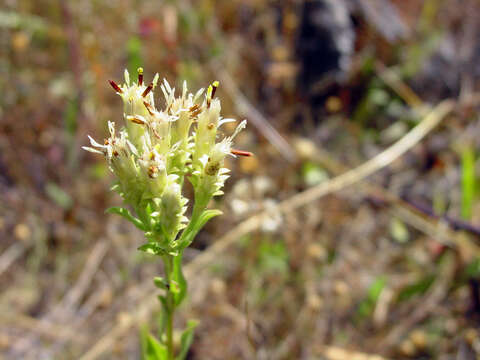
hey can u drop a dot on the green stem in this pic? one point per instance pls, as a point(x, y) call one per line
point(172, 264)
point(170, 308)
point(198, 208)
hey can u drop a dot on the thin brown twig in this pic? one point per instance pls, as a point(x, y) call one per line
point(400, 87)
point(377, 162)
point(11, 254)
point(245, 108)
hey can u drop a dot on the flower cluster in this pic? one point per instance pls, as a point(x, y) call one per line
point(156, 149)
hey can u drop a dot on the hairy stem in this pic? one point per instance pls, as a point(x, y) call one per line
point(170, 307)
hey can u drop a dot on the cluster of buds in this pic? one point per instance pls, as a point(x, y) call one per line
point(156, 149)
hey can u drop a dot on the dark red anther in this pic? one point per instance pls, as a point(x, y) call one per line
point(195, 110)
point(149, 107)
point(115, 86)
point(147, 90)
point(241, 152)
point(136, 120)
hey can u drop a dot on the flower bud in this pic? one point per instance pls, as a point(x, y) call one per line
point(173, 208)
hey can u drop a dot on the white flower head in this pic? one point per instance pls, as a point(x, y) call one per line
point(157, 148)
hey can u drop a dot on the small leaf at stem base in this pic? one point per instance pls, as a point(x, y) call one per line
point(127, 215)
point(186, 339)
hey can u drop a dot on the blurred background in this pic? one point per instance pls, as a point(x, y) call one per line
point(383, 266)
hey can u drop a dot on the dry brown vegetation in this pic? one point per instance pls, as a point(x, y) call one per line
point(352, 234)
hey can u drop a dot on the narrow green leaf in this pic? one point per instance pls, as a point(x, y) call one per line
point(376, 289)
point(149, 209)
point(186, 339)
point(70, 116)
point(209, 214)
point(144, 340)
point(468, 182)
point(160, 283)
point(163, 300)
point(127, 215)
point(191, 231)
point(180, 280)
point(155, 350)
point(416, 289)
point(367, 306)
point(58, 195)
point(152, 349)
point(472, 269)
point(151, 248)
point(163, 315)
point(134, 53)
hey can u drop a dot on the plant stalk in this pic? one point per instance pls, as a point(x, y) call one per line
point(170, 308)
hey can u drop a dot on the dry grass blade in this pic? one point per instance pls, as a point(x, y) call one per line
point(10, 255)
point(93, 262)
point(376, 163)
point(431, 120)
point(395, 82)
point(428, 304)
point(244, 107)
point(63, 312)
point(46, 330)
point(122, 326)
point(337, 353)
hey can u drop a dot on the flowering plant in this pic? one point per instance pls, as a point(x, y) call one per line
point(151, 156)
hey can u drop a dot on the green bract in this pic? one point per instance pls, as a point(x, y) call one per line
point(156, 149)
